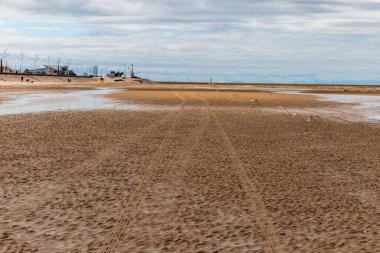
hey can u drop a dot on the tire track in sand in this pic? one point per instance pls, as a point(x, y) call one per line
point(119, 230)
point(249, 186)
point(191, 140)
point(113, 148)
point(111, 151)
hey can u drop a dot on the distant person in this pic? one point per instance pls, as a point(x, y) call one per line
point(22, 79)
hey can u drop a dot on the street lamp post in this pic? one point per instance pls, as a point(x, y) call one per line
point(49, 60)
point(22, 57)
point(68, 66)
point(58, 72)
point(35, 60)
point(5, 55)
point(132, 71)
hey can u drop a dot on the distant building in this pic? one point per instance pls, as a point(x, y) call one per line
point(51, 70)
point(114, 74)
point(95, 70)
point(40, 72)
point(5, 69)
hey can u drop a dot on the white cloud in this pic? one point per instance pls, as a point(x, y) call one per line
point(242, 39)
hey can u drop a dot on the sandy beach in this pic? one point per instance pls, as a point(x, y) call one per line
point(194, 169)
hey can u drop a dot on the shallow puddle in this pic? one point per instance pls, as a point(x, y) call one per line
point(357, 108)
point(367, 106)
point(26, 102)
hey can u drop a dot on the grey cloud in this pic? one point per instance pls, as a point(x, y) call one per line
point(247, 38)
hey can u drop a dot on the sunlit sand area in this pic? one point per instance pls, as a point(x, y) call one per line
point(165, 167)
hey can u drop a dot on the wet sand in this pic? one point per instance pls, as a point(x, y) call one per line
point(197, 171)
point(327, 88)
point(46, 100)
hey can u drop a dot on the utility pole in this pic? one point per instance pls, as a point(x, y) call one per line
point(68, 66)
point(58, 72)
point(22, 57)
point(5, 55)
point(48, 60)
point(35, 60)
point(132, 71)
point(77, 68)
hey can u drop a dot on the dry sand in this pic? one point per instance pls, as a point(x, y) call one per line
point(208, 171)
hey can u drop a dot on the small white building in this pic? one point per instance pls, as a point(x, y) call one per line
point(114, 74)
point(52, 71)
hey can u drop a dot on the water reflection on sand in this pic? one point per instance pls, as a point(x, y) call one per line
point(368, 106)
point(26, 102)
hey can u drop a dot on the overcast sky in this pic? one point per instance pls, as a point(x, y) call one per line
point(239, 40)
